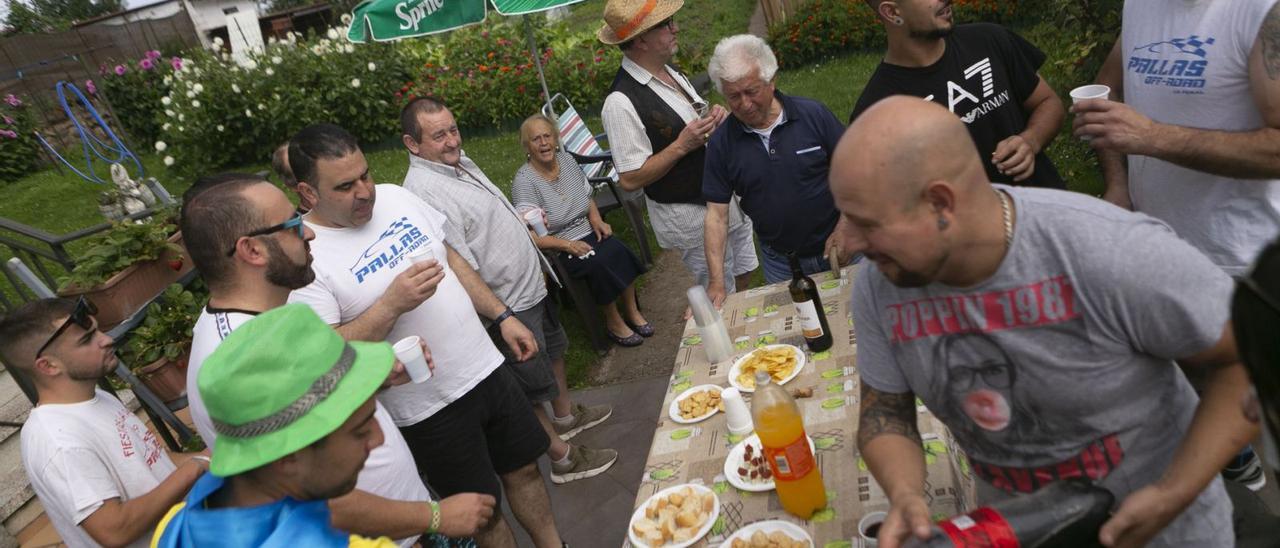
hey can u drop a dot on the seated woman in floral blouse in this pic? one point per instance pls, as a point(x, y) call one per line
point(553, 181)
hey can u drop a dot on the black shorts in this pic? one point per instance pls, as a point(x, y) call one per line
point(534, 374)
point(489, 431)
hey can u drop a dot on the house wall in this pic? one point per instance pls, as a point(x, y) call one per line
point(207, 15)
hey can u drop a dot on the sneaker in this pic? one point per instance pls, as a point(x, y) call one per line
point(583, 418)
point(584, 462)
point(1246, 469)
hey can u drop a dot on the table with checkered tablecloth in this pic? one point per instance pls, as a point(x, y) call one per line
point(695, 453)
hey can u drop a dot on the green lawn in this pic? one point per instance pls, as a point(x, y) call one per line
point(61, 202)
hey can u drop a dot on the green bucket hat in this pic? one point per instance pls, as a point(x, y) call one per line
point(282, 381)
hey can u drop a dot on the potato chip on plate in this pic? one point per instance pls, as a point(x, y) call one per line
point(782, 361)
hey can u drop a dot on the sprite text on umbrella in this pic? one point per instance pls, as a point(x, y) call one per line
point(413, 16)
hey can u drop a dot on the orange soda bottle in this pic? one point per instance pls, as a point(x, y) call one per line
point(786, 448)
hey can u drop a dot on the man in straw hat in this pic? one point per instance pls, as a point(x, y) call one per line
point(658, 129)
point(252, 249)
point(293, 406)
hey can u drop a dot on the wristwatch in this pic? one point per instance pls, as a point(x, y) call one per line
point(504, 315)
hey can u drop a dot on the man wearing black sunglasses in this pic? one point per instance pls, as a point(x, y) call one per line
point(101, 474)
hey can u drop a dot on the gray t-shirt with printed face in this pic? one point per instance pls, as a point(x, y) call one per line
point(1060, 364)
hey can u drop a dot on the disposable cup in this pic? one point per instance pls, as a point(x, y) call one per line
point(422, 254)
point(409, 352)
point(737, 414)
point(534, 218)
point(869, 527)
point(1091, 91)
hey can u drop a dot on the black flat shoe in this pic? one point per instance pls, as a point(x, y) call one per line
point(633, 340)
point(645, 330)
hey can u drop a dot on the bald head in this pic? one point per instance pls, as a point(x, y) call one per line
point(899, 145)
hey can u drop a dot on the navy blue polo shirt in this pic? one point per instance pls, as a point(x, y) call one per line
point(783, 189)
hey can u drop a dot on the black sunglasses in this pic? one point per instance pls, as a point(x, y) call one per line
point(82, 316)
point(294, 223)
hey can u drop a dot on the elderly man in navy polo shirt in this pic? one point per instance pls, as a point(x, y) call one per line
point(774, 154)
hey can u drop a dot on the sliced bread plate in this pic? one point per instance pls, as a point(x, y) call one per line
point(749, 385)
point(674, 410)
point(661, 515)
point(791, 530)
point(734, 461)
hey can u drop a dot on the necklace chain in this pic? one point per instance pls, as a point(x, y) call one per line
point(1008, 220)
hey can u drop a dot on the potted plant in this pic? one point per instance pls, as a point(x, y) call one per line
point(127, 266)
point(157, 350)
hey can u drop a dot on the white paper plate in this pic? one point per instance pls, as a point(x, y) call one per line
point(674, 410)
point(735, 456)
point(790, 529)
point(737, 366)
point(706, 527)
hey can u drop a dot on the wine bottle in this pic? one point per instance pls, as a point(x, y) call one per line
point(813, 321)
point(1065, 514)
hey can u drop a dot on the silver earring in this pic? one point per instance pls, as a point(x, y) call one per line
point(898, 21)
point(943, 223)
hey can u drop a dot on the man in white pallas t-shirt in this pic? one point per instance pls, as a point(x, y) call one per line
point(470, 427)
point(1191, 135)
point(100, 473)
point(251, 247)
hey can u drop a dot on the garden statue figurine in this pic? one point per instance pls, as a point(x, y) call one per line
point(131, 189)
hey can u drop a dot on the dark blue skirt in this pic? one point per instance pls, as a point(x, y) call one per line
point(609, 271)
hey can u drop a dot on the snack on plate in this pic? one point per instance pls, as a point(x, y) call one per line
point(753, 468)
point(677, 517)
point(779, 362)
point(776, 539)
point(700, 403)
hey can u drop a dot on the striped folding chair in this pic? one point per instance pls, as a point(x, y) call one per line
point(576, 139)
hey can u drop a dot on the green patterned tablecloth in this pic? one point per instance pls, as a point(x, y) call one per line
point(695, 453)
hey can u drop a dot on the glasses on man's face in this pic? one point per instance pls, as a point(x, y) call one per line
point(82, 316)
point(669, 22)
point(294, 223)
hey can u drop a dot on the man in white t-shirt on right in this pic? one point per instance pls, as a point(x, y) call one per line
point(251, 248)
point(470, 427)
point(1192, 136)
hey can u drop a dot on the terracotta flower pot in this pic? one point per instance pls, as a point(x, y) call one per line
point(166, 378)
point(132, 288)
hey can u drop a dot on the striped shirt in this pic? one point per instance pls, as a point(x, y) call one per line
point(496, 240)
point(678, 226)
point(566, 200)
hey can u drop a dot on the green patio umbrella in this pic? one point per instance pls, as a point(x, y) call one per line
point(387, 20)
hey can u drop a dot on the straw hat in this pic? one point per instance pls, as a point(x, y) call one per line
point(626, 19)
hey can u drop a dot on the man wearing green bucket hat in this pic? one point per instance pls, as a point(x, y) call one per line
point(293, 406)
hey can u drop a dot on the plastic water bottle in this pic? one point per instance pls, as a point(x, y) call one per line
point(715, 337)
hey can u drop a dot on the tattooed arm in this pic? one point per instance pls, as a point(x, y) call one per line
point(889, 441)
point(1251, 154)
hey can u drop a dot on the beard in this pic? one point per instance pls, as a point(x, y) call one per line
point(87, 374)
point(936, 33)
point(283, 272)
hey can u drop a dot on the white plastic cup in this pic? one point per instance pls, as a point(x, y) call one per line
point(422, 254)
point(409, 352)
point(737, 414)
point(868, 521)
point(534, 218)
point(1091, 91)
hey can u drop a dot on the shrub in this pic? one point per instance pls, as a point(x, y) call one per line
point(826, 27)
point(18, 146)
point(135, 89)
point(1085, 29)
point(487, 75)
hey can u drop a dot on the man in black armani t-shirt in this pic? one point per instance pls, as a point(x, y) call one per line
point(984, 73)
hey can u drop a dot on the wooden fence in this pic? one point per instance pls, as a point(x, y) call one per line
point(777, 11)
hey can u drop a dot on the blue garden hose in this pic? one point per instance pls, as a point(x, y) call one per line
point(91, 142)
